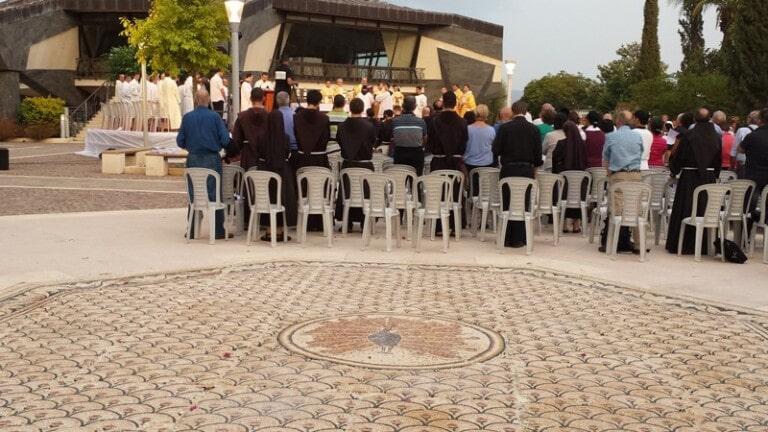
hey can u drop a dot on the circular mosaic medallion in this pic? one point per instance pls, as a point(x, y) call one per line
point(392, 341)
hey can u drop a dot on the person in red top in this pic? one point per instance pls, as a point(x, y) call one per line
point(659, 144)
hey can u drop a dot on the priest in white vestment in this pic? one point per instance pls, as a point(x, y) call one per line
point(187, 95)
point(245, 92)
point(170, 102)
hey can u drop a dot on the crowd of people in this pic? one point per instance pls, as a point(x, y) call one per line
point(458, 135)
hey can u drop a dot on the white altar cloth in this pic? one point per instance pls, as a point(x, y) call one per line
point(99, 140)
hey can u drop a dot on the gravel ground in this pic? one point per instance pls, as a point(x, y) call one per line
point(17, 201)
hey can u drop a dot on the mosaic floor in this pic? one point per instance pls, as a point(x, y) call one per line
point(309, 346)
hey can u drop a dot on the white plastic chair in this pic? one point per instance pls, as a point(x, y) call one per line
point(316, 197)
point(405, 180)
point(380, 160)
point(635, 197)
point(713, 217)
point(232, 195)
point(433, 202)
point(196, 180)
point(727, 176)
point(458, 194)
point(549, 184)
point(518, 208)
point(574, 199)
point(600, 212)
point(658, 183)
point(380, 204)
point(740, 199)
point(354, 197)
point(597, 174)
point(483, 198)
point(259, 200)
point(761, 224)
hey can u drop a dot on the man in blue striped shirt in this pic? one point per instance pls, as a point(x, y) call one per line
point(409, 133)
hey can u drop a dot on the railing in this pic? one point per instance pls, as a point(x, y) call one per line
point(83, 113)
point(331, 71)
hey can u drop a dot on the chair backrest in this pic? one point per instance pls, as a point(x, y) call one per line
point(257, 185)
point(405, 179)
point(549, 185)
point(634, 199)
point(482, 181)
point(197, 182)
point(762, 205)
point(379, 160)
point(334, 159)
point(670, 189)
point(727, 176)
point(574, 181)
point(352, 176)
point(596, 174)
point(658, 183)
point(435, 194)
point(232, 182)
point(717, 195)
point(518, 188)
point(741, 196)
point(400, 166)
point(316, 189)
point(457, 177)
point(381, 189)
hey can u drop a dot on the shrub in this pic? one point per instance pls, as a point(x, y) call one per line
point(41, 131)
point(9, 129)
point(40, 111)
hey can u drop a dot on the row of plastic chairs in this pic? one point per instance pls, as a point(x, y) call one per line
point(127, 116)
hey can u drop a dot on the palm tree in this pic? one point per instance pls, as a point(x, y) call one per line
point(725, 12)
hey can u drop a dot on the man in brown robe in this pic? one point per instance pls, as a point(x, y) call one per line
point(312, 133)
point(356, 137)
point(448, 137)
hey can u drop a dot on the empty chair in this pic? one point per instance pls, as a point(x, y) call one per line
point(761, 224)
point(669, 199)
point(405, 181)
point(380, 203)
point(197, 180)
point(577, 187)
point(433, 202)
point(712, 219)
point(521, 207)
point(727, 176)
point(630, 210)
point(231, 195)
point(600, 212)
point(550, 190)
point(483, 197)
point(316, 186)
point(740, 200)
point(458, 196)
point(353, 197)
point(260, 202)
point(596, 174)
point(658, 183)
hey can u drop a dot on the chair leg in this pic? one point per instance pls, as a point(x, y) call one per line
point(502, 232)
point(528, 235)
point(419, 232)
point(722, 242)
point(593, 225)
point(765, 246)
point(615, 234)
point(409, 221)
point(641, 228)
point(273, 228)
point(556, 227)
point(398, 241)
point(285, 228)
point(446, 220)
point(366, 229)
point(388, 232)
point(457, 216)
point(328, 219)
point(345, 219)
point(657, 228)
point(680, 239)
point(483, 221)
point(190, 223)
point(584, 219)
point(212, 226)
point(433, 228)
point(699, 235)
point(562, 217)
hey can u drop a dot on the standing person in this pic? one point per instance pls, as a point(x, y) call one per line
point(359, 87)
point(726, 139)
point(368, 100)
point(468, 103)
point(217, 93)
point(384, 100)
point(448, 137)
point(640, 123)
point(134, 89)
point(552, 138)
point(459, 97)
point(595, 141)
point(203, 135)
point(505, 115)
point(755, 147)
point(284, 77)
point(328, 92)
point(264, 83)
point(245, 92)
point(421, 102)
point(544, 107)
point(409, 133)
point(119, 83)
point(479, 151)
point(385, 131)
point(153, 94)
point(437, 106)
point(570, 154)
point(312, 133)
point(738, 160)
point(518, 147)
point(170, 102)
point(337, 114)
point(697, 160)
point(397, 97)
point(622, 156)
point(547, 121)
point(249, 132)
point(659, 144)
point(283, 101)
point(338, 88)
point(356, 137)
point(187, 96)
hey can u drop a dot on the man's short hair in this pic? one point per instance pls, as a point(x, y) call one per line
point(339, 101)
point(642, 117)
point(449, 100)
point(409, 104)
point(202, 98)
point(519, 107)
point(283, 99)
point(265, 74)
point(548, 116)
point(370, 112)
point(753, 117)
point(314, 97)
point(257, 95)
point(356, 106)
point(248, 75)
point(560, 120)
point(389, 113)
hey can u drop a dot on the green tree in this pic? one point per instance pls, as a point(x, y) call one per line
point(122, 60)
point(617, 77)
point(574, 91)
point(748, 54)
point(181, 35)
point(692, 36)
point(649, 62)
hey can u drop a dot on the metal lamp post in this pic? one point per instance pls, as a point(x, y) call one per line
point(235, 14)
point(510, 66)
point(144, 125)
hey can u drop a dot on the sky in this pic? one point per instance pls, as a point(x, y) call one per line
point(547, 36)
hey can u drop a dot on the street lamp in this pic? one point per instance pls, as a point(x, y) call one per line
point(235, 14)
point(144, 124)
point(510, 66)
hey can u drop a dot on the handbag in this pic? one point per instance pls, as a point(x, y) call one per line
point(733, 252)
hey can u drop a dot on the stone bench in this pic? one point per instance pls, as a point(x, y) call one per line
point(124, 161)
point(159, 163)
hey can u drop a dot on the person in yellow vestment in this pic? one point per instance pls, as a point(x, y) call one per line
point(468, 102)
point(338, 89)
point(459, 96)
point(327, 92)
point(397, 97)
point(170, 101)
